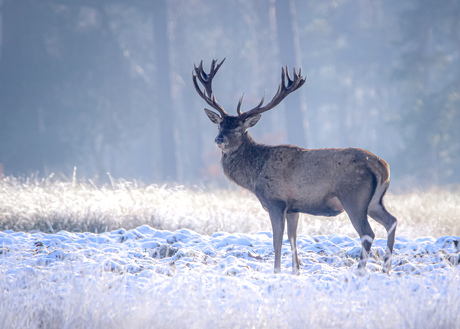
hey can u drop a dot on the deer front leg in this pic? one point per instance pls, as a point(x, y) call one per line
point(277, 218)
point(292, 220)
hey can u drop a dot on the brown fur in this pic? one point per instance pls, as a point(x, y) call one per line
point(289, 180)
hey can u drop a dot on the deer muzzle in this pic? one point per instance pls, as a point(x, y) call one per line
point(221, 141)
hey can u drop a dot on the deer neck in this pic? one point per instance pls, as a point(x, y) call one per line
point(243, 164)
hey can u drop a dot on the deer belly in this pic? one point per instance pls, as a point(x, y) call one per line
point(327, 207)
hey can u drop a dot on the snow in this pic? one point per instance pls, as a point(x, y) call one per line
point(171, 257)
point(150, 278)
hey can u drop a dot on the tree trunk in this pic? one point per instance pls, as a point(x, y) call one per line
point(289, 54)
point(21, 97)
point(163, 92)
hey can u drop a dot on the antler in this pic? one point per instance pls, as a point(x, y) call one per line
point(283, 91)
point(206, 81)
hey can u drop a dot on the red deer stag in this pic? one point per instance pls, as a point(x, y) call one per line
point(289, 180)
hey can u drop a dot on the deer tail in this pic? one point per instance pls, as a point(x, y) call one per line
point(381, 171)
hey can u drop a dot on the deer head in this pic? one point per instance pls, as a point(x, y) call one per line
point(233, 128)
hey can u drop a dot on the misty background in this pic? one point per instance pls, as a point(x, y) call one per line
point(106, 86)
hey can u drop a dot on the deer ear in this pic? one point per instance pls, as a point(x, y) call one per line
point(214, 117)
point(251, 121)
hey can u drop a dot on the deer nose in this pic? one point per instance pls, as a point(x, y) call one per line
point(219, 140)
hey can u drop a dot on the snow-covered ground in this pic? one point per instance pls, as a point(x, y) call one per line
point(147, 277)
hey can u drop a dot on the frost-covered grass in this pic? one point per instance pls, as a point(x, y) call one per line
point(51, 205)
point(172, 257)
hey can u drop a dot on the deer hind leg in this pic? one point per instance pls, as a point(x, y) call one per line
point(277, 218)
point(292, 220)
point(378, 212)
point(361, 225)
point(356, 205)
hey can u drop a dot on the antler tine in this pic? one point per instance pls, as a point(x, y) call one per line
point(206, 80)
point(283, 90)
point(260, 103)
point(218, 65)
point(238, 108)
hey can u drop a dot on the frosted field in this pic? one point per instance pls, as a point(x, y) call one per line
point(169, 257)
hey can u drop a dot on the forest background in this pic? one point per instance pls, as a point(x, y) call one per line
point(105, 86)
